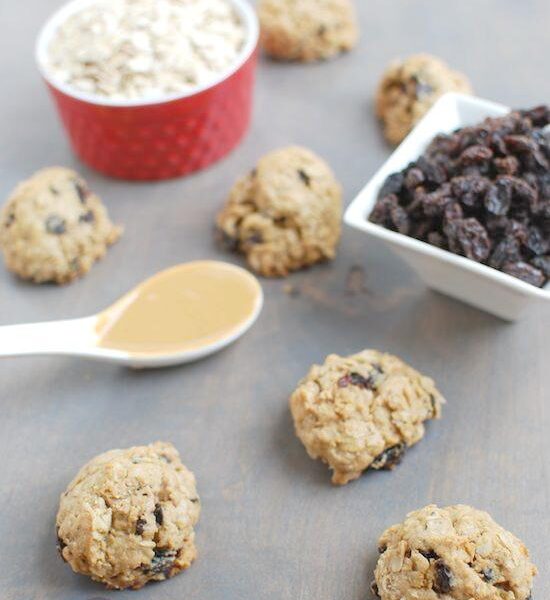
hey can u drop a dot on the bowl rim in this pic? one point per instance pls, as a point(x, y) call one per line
point(359, 210)
point(245, 11)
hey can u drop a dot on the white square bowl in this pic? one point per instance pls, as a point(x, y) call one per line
point(457, 276)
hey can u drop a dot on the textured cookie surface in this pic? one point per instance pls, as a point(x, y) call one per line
point(53, 229)
point(128, 517)
point(362, 411)
point(450, 553)
point(286, 214)
point(409, 89)
point(307, 30)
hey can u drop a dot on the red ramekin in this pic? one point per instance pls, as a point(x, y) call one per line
point(157, 139)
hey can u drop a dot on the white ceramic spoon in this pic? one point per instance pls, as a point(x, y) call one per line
point(81, 337)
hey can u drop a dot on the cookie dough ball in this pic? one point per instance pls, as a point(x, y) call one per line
point(362, 411)
point(409, 89)
point(286, 214)
point(457, 553)
point(53, 228)
point(128, 517)
point(307, 30)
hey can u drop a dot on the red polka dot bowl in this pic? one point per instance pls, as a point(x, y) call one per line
point(157, 139)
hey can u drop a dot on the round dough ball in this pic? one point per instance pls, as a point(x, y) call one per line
point(307, 30)
point(128, 516)
point(409, 88)
point(362, 412)
point(53, 229)
point(286, 214)
point(457, 553)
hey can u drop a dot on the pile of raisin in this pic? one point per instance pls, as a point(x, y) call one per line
point(482, 192)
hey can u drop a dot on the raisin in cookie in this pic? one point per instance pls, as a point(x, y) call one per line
point(128, 517)
point(457, 553)
point(53, 229)
point(409, 89)
point(362, 412)
point(286, 214)
point(307, 30)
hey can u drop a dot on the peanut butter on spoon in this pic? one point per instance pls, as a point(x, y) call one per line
point(184, 308)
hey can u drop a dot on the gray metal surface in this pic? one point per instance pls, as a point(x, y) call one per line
point(272, 526)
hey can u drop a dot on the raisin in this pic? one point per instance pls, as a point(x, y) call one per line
point(453, 212)
point(159, 515)
point(434, 203)
point(429, 554)
point(539, 116)
point(254, 238)
point(432, 172)
point(304, 177)
point(56, 225)
point(475, 155)
point(392, 185)
point(469, 238)
point(10, 219)
point(140, 526)
point(389, 213)
point(508, 250)
point(469, 189)
point(524, 192)
point(443, 578)
point(82, 191)
point(499, 196)
point(399, 219)
point(162, 562)
point(374, 589)
point(389, 459)
point(381, 211)
point(520, 143)
point(537, 243)
point(87, 217)
point(525, 272)
point(194, 500)
point(414, 178)
point(61, 545)
point(488, 574)
point(508, 165)
point(357, 380)
point(517, 231)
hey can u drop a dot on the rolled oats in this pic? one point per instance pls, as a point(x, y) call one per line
point(134, 49)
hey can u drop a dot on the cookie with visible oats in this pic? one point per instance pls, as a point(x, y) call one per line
point(307, 30)
point(128, 517)
point(454, 553)
point(362, 412)
point(409, 88)
point(53, 228)
point(285, 215)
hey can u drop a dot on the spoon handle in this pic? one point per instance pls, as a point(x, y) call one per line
point(73, 336)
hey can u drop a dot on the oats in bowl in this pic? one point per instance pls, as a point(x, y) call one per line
point(129, 49)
